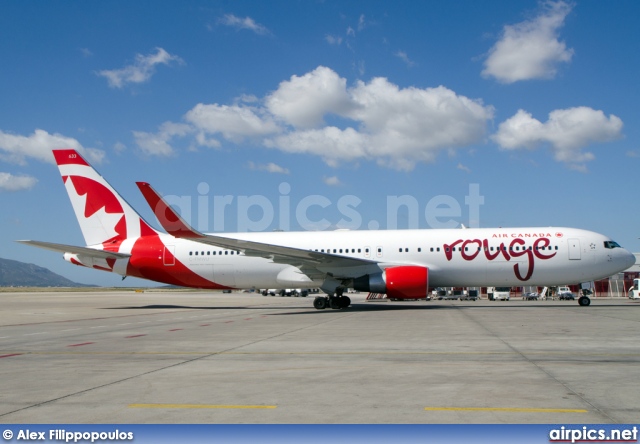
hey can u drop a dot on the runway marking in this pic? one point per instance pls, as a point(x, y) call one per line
point(12, 354)
point(39, 333)
point(504, 409)
point(72, 329)
point(99, 326)
point(81, 344)
point(134, 336)
point(199, 406)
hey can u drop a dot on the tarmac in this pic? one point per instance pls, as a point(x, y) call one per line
point(208, 357)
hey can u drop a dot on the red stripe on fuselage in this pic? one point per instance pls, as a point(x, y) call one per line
point(146, 262)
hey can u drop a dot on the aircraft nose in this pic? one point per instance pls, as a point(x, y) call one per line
point(629, 259)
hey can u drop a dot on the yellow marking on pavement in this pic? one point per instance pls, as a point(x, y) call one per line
point(505, 409)
point(199, 406)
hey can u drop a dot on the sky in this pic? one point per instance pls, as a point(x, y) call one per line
point(318, 115)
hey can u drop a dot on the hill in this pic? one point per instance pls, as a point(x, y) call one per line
point(20, 274)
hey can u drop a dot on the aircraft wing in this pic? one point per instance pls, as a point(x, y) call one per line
point(314, 264)
point(86, 251)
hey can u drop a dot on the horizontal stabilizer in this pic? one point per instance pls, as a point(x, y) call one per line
point(61, 248)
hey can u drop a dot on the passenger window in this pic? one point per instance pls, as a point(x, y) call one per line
point(419, 250)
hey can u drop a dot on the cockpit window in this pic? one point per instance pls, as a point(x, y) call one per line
point(611, 244)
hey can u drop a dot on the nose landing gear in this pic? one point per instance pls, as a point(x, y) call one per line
point(584, 300)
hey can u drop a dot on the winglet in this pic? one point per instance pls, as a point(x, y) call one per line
point(168, 218)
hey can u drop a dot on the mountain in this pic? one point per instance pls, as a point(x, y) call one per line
point(20, 274)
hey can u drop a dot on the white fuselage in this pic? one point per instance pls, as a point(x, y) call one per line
point(455, 257)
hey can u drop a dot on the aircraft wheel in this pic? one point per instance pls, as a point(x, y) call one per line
point(320, 303)
point(345, 301)
point(584, 301)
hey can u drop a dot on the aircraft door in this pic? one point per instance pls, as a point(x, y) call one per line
point(574, 249)
point(169, 255)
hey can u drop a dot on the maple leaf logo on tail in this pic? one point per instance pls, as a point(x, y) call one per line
point(104, 216)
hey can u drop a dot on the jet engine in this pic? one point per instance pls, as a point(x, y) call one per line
point(402, 282)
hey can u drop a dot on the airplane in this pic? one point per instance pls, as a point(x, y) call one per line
point(400, 263)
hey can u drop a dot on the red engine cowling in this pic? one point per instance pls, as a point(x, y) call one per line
point(407, 282)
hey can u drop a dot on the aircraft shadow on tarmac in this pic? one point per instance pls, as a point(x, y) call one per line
point(357, 308)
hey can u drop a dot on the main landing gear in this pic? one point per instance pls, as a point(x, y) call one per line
point(336, 301)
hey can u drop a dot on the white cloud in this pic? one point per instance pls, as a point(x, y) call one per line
point(394, 126)
point(332, 181)
point(158, 144)
point(413, 124)
point(463, 168)
point(303, 101)
point(362, 22)
point(119, 147)
point(235, 122)
point(269, 167)
point(141, 70)
point(331, 143)
point(379, 121)
point(566, 130)
point(333, 40)
point(530, 49)
point(9, 182)
point(16, 148)
point(243, 23)
point(405, 58)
